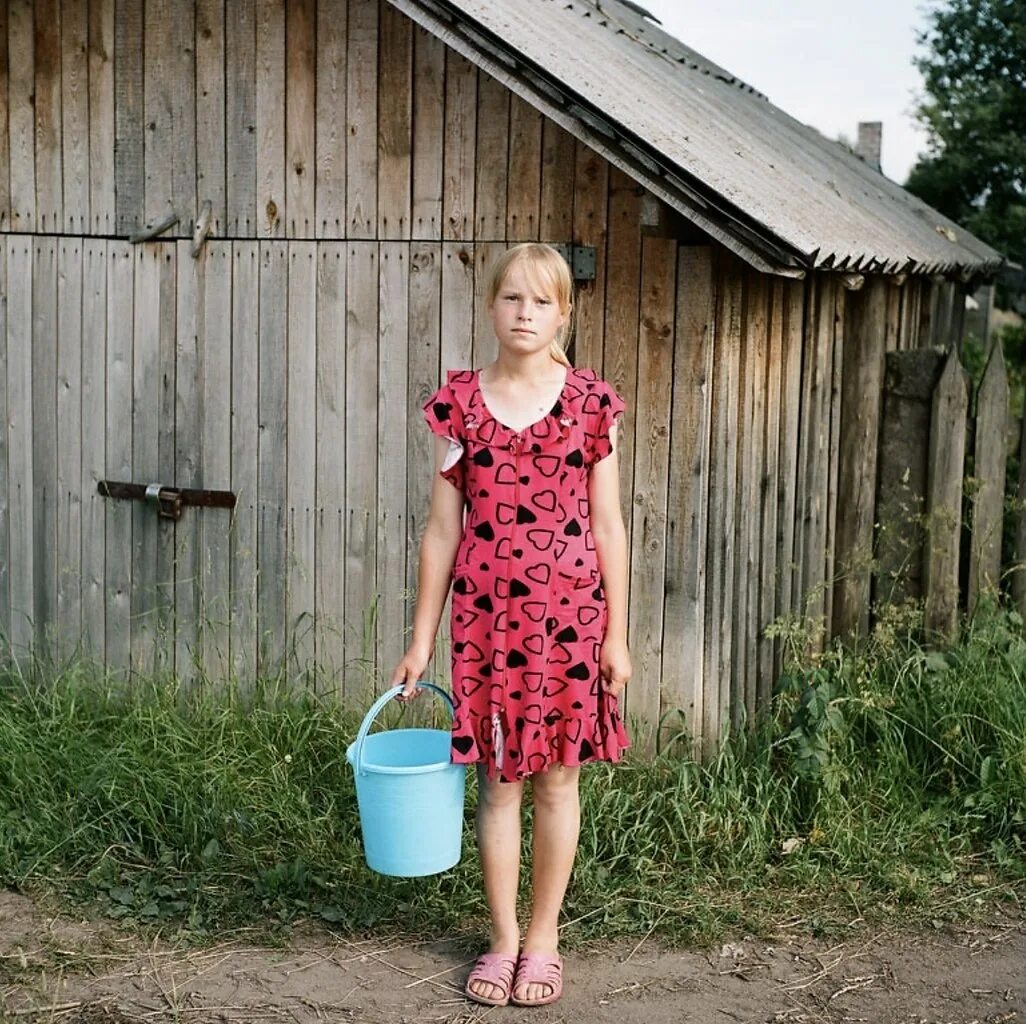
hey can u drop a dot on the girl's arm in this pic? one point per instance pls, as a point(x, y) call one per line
point(610, 534)
point(438, 549)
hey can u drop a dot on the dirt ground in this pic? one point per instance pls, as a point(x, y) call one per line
point(61, 969)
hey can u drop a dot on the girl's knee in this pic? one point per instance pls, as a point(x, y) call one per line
point(556, 785)
point(494, 793)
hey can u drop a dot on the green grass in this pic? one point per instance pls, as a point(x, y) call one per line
point(891, 784)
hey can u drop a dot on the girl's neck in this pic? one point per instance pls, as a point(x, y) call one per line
point(531, 369)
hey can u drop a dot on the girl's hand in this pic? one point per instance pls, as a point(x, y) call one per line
point(614, 666)
point(409, 670)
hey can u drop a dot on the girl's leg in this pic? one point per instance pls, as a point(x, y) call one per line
point(557, 824)
point(498, 841)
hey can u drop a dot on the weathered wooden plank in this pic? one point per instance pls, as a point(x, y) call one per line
point(682, 686)
point(866, 337)
point(944, 314)
point(245, 438)
point(744, 562)
point(911, 297)
point(101, 116)
point(74, 106)
point(832, 457)
point(5, 475)
point(719, 607)
point(793, 312)
point(957, 329)
point(944, 498)
point(272, 468)
point(270, 119)
point(152, 433)
point(118, 515)
point(652, 460)
point(5, 135)
point(816, 434)
point(182, 65)
point(211, 130)
point(301, 458)
point(47, 105)
point(623, 287)
point(93, 467)
point(361, 554)
point(425, 313)
point(757, 326)
point(492, 162)
point(164, 313)
point(300, 116)
point(928, 312)
point(485, 346)
point(240, 54)
point(393, 411)
point(769, 490)
point(68, 382)
point(892, 315)
point(458, 193)
point(557, 183)
point(202, 459)
point(395, 124)
point(987, 501)
point(590, 227)
point(190, 371)
point(330, 192)
point(44, 437)
point(428, 133)
point(523, 207)
point(215, 463)
point(18, 339)
point(910, 378)
point(423, 374)
point(457, 313)
point(21, 127)
point(331, 447)
point(362, 120)
point(159, 68)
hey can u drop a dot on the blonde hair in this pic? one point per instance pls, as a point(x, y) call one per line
point(549, 269)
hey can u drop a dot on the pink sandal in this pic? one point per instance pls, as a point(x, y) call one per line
point(494, 969)
point(538, 969)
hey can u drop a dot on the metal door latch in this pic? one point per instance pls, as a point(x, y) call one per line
point(167, 502)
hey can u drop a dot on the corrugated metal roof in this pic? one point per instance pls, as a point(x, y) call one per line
point(773, 190)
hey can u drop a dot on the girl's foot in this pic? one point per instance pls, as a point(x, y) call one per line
point(539, 972)
point(490, 982)
point(538, 980)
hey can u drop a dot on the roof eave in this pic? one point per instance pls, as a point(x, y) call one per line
point(747, 239)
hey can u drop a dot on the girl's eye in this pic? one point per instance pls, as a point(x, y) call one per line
point(544, 302)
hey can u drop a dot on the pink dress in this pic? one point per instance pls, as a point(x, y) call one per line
point(528, 606)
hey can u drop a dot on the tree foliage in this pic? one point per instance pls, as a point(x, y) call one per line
point(974, 110)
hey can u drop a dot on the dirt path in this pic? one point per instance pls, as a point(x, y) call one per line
point(61, 970)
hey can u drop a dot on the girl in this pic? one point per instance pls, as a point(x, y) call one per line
point(539, 579)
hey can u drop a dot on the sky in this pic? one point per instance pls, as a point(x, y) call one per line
point(827, 63)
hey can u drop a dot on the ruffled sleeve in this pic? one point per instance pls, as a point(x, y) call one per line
point(445, 418)
point(610, 408)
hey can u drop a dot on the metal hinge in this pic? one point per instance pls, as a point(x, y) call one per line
point(581, 259)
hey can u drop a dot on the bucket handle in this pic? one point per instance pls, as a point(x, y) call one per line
point(375, 708)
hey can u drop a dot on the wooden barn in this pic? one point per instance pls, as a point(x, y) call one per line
point(244, 239)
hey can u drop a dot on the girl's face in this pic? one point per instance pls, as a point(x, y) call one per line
point(525, 314)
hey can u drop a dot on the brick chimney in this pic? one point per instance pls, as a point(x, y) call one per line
point(868, 146)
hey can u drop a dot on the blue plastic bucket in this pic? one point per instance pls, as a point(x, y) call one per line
point(410, 795)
